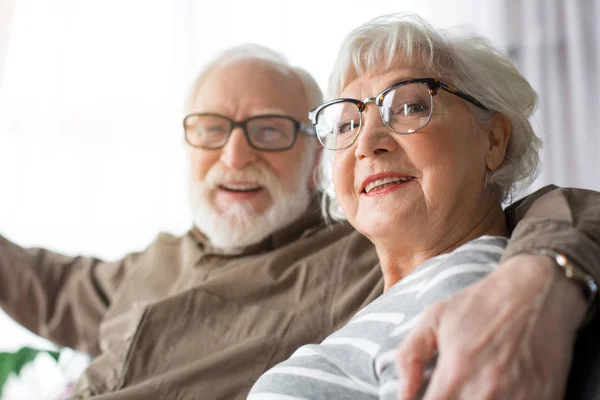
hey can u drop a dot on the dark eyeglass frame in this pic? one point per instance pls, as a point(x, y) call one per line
point(433, 84)
point(298, 127)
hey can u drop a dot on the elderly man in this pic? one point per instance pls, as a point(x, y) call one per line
point(260, 273)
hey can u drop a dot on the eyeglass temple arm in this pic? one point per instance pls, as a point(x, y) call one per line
point(308, 129)
point(463, 95)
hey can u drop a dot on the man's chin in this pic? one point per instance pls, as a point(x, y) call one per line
point(236, 224)
point(240, 226)
point(233, 228)
point(255, 203)
point(241, 210)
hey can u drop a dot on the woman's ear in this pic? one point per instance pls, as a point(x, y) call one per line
point(498, 138)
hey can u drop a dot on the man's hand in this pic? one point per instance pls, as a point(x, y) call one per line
point(510, 336)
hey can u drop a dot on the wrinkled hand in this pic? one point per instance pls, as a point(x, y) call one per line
point(509, 336)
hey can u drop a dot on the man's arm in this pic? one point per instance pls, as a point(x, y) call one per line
point(60, 298)
point(511, 335)
point(562, 219)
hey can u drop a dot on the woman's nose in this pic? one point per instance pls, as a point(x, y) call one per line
point(375, 137)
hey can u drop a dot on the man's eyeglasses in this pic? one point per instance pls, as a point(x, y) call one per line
point(405, 107)
point(263, 132)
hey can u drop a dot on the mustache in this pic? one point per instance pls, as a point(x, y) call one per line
point(259, 173)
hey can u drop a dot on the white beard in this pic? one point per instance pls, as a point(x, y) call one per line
point(239, 225)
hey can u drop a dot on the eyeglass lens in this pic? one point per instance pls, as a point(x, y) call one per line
point(212, 132)
point(404, 109)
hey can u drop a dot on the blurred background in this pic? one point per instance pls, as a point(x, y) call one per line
point(91, 96)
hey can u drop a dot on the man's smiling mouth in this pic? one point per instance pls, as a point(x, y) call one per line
point(240, 187)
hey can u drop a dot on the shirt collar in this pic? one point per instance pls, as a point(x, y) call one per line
point(308, 222)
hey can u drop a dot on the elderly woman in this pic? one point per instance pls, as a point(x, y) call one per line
point(426, 135)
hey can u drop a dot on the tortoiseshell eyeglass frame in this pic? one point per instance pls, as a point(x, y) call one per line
point(433, 84)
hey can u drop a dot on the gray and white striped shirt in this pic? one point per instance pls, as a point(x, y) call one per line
point(357, 361)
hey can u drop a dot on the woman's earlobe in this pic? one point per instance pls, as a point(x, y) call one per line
point(499, 137)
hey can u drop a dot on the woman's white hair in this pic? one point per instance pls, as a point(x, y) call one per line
point(313, 93)
point(465, 59)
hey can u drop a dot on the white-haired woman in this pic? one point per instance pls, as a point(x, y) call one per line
point(426, 135)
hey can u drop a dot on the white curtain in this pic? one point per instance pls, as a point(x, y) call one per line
point(6, 13)
point(556, 44)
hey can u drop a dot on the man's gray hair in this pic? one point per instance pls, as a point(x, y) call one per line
point(313, 93)
point(465, 59)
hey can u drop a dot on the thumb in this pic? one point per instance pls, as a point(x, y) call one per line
point(415, 353)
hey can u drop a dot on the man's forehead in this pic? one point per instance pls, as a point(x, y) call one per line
point(233, 104)
point(255, 73)
point(232, 109)
point(251, 87)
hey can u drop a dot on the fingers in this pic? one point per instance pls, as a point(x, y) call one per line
point(494, 340)
point(416, 351)
point(450, 380)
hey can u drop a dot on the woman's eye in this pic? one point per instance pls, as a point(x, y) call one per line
point(346, 127)
point(408, 109)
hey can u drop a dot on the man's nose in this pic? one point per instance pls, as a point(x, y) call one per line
point(237, 153)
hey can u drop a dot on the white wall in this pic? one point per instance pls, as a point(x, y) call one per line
point(6, 13)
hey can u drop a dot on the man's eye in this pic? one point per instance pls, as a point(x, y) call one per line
point(268, 134)
point(213, 129)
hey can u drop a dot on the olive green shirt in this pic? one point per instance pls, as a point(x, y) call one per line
point(184, 320)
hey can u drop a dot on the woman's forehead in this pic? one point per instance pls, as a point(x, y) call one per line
point(370, 84)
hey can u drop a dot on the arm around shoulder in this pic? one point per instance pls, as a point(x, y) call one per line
point(564, 220)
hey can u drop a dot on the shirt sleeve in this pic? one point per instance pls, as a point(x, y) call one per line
point(563, 219)
point(60, 298)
